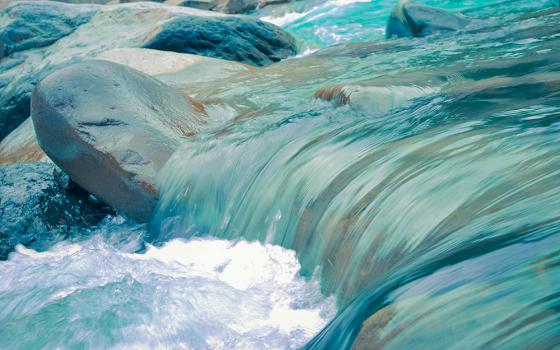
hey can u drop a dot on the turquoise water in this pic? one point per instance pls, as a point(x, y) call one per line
point(462, 176)
point(420, 208)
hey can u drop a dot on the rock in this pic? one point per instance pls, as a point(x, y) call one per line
point(37, 207)
point(230, 38)
point(225, 6)
point(373, 98)
point(34, 25)
point(207, 5)
point(112, 128)
point(173, 68)
point(183, 71)
point(20, 146)
point(415, 20)
point(92, 29)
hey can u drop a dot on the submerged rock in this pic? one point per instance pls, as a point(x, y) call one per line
point(34, 44)
point(373, 98)
point(39, 207)
point(112, 128)
point(416, 20)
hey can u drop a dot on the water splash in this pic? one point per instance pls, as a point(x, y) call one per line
point(199, 294)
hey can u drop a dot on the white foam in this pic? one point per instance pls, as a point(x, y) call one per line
point(196, 294)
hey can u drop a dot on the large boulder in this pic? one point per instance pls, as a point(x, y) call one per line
point(39, 206)
point(182, 71)
point(112, 128)
point(38, 37)
point(231, 38)
point(416, 20)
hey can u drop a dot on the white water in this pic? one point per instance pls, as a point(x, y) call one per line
point(196, 294)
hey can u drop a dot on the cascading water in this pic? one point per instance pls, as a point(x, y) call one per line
point(425, 199)
point(384, 201)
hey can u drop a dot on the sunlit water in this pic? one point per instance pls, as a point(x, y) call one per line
point(432, 220)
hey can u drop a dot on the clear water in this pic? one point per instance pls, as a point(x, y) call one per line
point(433, 223)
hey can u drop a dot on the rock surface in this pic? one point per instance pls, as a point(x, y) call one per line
point(373, 98)
point(39, 208)
point(20, 146)
point(112, 128)
point(175, 69)
point(230, 38)
point(182, 71)
point(55, 34)
point(416, 20)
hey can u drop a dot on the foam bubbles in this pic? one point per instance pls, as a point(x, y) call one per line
point(196, 294)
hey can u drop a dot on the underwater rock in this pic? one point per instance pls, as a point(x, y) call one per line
point(415, 20)
point(371, 98)
point(20, 146)
point(38, 207)
point(93, 29)
point(112, 128)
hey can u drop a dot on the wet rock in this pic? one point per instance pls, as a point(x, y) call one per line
point(38, 208)
point(416, 20)
point(88, 30)
point(33, 25)
point(112, 128)
point(225, 6)
point(175, 69)
point(230, 38)
point(373, 98)
point(182, 71)
point(20, 146)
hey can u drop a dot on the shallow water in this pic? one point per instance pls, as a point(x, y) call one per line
point(432, 220)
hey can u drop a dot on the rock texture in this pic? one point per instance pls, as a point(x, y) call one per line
point(230, 38)
point(20, 146)
point(415, 20)
point(182, 71)
point(38, 37)
point(39, 207)
point(33, 25)
point(112, 128)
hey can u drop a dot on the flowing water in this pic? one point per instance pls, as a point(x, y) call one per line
point(424, 199)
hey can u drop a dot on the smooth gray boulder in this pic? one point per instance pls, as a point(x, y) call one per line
point(112, 128)
point(416, 20)
point(38, 37)
point(39, 206)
